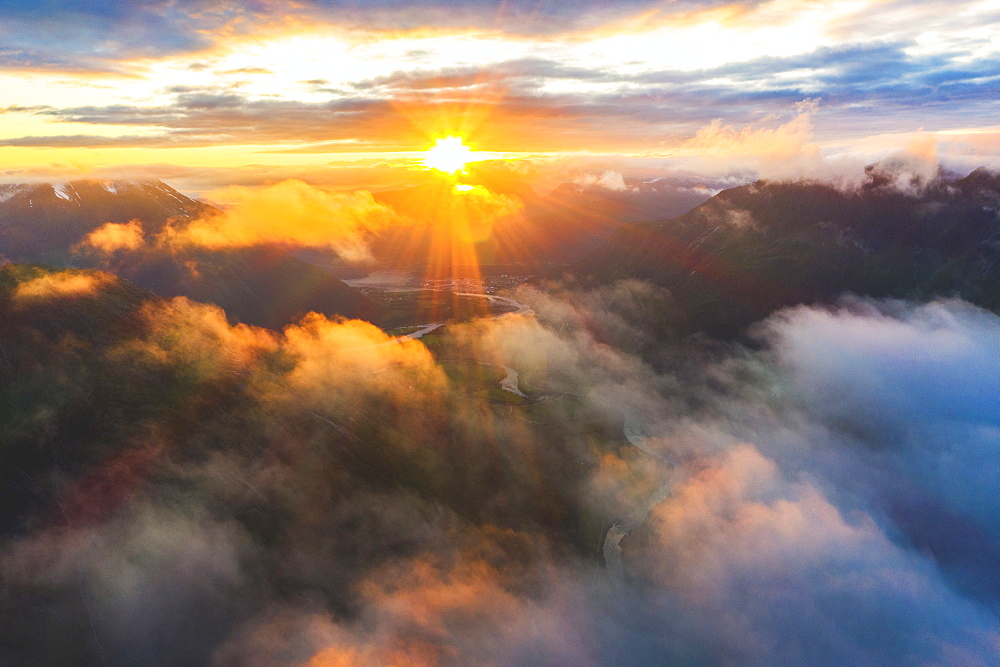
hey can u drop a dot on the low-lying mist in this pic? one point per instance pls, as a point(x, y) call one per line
point(184, 491)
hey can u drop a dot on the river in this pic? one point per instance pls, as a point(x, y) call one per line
point(618, 531)
point(631, 428)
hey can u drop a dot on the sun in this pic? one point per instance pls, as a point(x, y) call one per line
point(448, 155)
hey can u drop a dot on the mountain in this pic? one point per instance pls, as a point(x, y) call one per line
point(265, 286)
point(448, 228)
point(557, 229)
point(178, 491)
point(576, 219)
point(40, 222)
point(612, 198)
point(750, 250)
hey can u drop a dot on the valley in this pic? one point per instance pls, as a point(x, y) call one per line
point(691, 388)
point(499, 333)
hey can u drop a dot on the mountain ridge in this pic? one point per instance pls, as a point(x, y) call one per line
point(44, 223)
point(750, 250)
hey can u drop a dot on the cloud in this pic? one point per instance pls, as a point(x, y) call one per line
point(780, 574)
point(587, 89)
point(197, 337)
point(609, 180)
point(340, 362)
point(329, 493)
point(42, 34)
point(83, 141)
point(427, 612)
point(124, 574)
point(908, 170)
point(785, 151)
point(861, 419)
point(918, 378)
point(558, 102)
point(290, 212)
point(112, 237)
point(63, 285)
point(787, 141)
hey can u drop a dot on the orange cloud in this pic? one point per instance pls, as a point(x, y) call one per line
point(421, 612)
point(786, 141)
point(338, 361)
point(787, 151)
point(192, 335)
point(741, 514)
point(291, 212)
point(65, 284)
point(111, 237)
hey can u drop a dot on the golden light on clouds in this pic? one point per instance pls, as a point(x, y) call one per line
point(291, 213)
point(65, 284)
point(112, 237)
point(303, 91)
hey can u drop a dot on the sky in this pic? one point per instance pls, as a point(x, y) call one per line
point(262, 90)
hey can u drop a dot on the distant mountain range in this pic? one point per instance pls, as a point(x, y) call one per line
point(41, 223)
point(542, 233)
point(727, 262)
point(557, 229)
point(753, 249)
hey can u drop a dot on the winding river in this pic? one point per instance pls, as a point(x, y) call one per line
point(631, 429)
point(611, 548)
